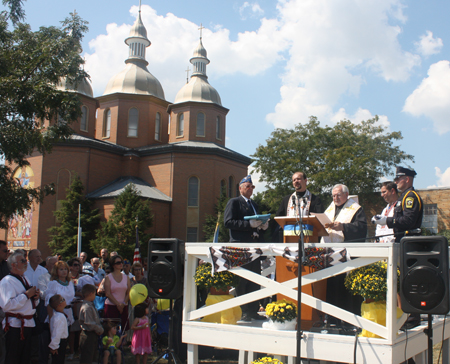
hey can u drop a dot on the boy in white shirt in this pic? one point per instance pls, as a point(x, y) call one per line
point(59, 329)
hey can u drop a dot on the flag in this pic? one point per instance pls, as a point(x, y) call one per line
point(216, 233)
point(137, 252)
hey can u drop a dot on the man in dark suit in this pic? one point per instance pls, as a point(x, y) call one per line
point(246, 231)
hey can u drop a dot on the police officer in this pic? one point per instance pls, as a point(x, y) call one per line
point(408, 210)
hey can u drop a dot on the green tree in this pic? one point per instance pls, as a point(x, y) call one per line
point(357, 155)
point(119, 232)
point(209, 227)
point(64, 236)
point(31, 65)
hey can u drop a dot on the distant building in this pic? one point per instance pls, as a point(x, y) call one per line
point(173, 152)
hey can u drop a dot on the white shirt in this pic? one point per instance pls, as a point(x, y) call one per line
point(383, 229)
point(59, 329)
point(68, 292)
point(13, 299)
point(99, 275)
point(33, 275)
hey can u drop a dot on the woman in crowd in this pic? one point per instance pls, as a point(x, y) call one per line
point(117, 289)
point(61, 283)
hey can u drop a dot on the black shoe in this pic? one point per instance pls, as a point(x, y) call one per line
point(245, 317)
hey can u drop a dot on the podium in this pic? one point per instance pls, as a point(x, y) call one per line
point(287, 270)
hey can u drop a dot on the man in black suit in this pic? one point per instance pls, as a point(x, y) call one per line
point(246, 231)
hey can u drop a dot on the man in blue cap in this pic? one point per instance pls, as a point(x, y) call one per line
point(246, 231)
point(408, 210)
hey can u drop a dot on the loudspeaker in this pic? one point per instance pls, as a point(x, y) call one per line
point(424, 274)
point(165, 268)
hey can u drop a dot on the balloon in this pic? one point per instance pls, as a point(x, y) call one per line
point(138, 294)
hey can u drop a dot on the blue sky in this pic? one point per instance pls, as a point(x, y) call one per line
point(275, 63)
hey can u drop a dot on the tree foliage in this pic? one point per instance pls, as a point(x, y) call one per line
point(31, 65)
point(357, 155)
point(209, 228)
point(64, 236)
point(119, 232)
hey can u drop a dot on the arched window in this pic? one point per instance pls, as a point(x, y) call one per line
point(223, 187)
point(158, 126)
point(180, 125)
point(218, 128)
point(84, 119)
point(230, 186)
point(193, 192)
point(107, 124)
point(200, 124)
point(133, 121)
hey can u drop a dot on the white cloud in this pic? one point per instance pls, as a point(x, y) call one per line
point(428, 45)
point(332, 46)
point(443, 178)
point(360, 115)
point(173, 42)
point(432, 97)
point(250, 10)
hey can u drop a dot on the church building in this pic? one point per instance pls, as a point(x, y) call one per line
point(174, 153)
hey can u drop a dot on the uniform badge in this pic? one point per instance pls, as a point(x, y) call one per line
point(409, 202)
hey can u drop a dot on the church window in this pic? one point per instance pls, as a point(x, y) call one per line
point(133, 121)
point(107, 124)
point(230, 186)
point(218, 136)
point(180, 125)
point(84, 119)
point(193, 192)
point(191, 234)
point(158, 126)
point(200, 124)
point(223, 187)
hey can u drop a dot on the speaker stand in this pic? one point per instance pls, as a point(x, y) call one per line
point(169, 351)
point(429, 332)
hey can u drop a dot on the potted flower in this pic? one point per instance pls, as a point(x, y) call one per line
point(219, 283)
point(266, 360)
point(370, 282)
point(282, 315)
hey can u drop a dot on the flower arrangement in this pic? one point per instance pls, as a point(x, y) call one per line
point(220, 280)
point(281, 311)
point(266, 360)
point(370, 281)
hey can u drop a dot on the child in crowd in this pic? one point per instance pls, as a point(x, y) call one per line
point(59, 329)
point(112, 342)
point(90, 325)
point(141, 343)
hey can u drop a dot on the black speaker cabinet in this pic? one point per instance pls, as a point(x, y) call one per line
point(424, 274)
point(165, 268)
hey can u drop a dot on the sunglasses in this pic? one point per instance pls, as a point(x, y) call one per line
point(119, 262)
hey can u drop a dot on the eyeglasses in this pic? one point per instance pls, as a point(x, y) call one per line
point(119, 262)
point(337, 195)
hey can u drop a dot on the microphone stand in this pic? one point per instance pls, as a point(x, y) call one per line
point(300, 257)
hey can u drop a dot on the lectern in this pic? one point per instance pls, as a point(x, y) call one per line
point(287, 270)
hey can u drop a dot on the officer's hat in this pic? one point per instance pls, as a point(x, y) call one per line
point(402, 171)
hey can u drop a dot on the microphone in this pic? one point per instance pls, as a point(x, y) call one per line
point(293, 201)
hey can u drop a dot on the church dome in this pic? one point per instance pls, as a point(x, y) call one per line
point(135, 78)
point(84, 87)
point(198, 88)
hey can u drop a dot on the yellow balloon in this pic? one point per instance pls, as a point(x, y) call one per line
point(138, 294)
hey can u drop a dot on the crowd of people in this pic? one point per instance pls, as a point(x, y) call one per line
point(58, 309)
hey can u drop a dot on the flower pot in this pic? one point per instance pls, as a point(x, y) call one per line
point(375, 311)
point(276, 325)
point(215, 291)
point(230, 316)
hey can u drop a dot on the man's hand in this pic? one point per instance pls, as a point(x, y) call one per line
point(54, 351)
point(335, 226)
point(264, 226)
point(31, 292)
point(379, 220)
point(255, 223)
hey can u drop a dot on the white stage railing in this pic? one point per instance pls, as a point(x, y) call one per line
point(393, 347)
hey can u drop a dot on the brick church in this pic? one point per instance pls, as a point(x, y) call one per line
point(174, 153)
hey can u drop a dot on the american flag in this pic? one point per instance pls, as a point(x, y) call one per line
point(137, 252)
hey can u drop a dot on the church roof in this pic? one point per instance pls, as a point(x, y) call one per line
point(116, 187)
point(84, 87)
